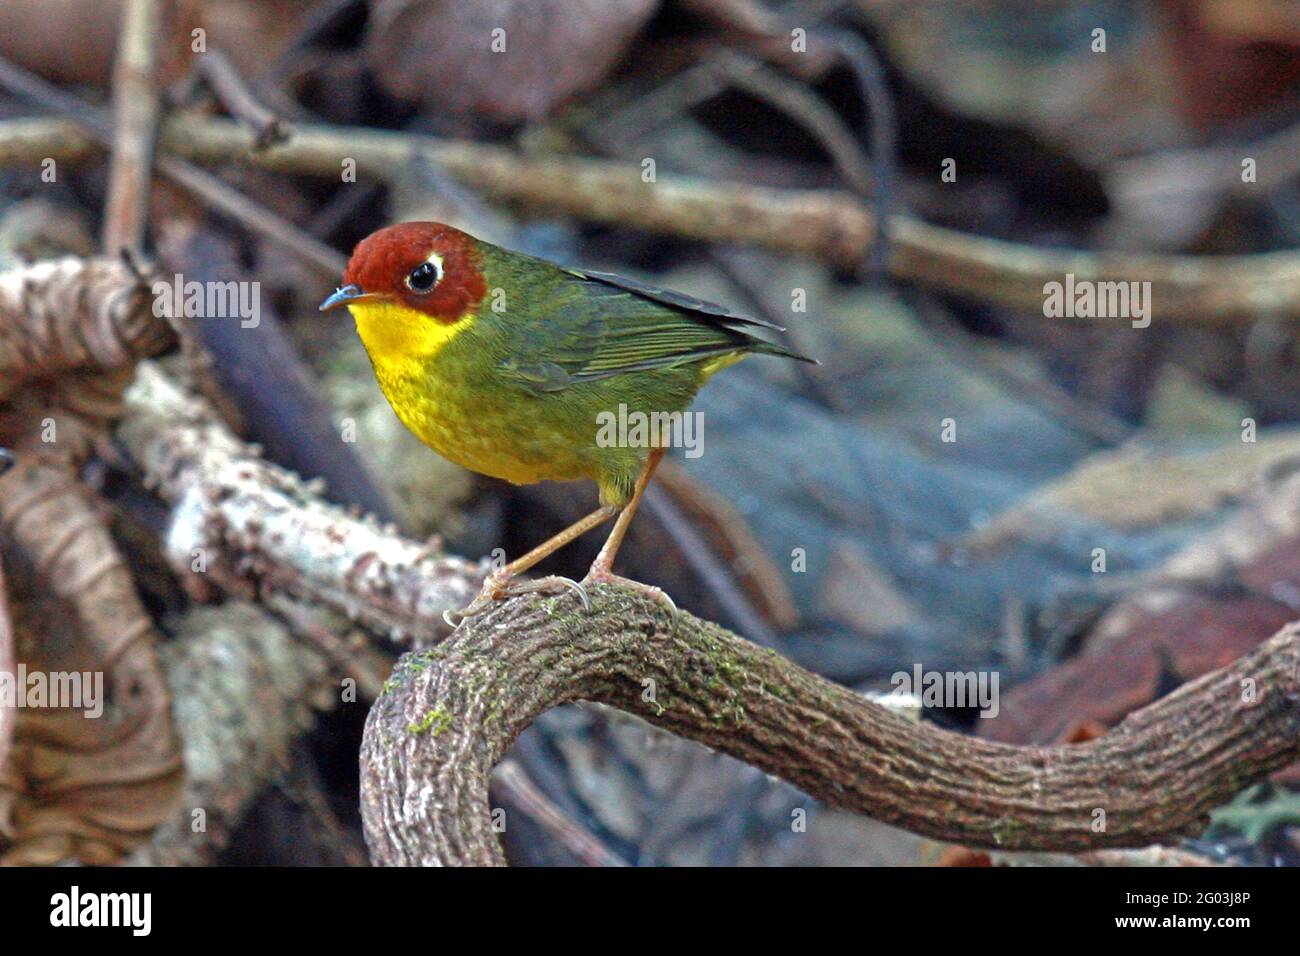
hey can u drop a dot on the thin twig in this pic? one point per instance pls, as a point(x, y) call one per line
point(240, 101)
point(135, 127)
point(514, 783)
point(204, 185)
point(874, 90)
point(715, 575)
point(831, 225)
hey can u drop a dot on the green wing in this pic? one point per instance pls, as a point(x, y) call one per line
point(605, 325)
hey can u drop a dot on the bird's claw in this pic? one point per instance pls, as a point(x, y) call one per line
point(498, 586)
point(572, 585)
point(658, 595)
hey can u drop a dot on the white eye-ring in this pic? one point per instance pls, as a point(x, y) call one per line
point(424, 277)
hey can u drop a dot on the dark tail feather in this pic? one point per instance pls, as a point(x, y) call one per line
point(764, 347)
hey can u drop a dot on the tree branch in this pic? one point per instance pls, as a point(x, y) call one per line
point(230, 88)
point(252, 527)
point(830, 225)
point(450, 712)
point(246, 688)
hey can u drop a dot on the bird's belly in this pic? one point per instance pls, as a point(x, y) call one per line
point(489, 431)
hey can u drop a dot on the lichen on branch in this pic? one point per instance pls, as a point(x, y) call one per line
point(1153, 778)
point(252, 528)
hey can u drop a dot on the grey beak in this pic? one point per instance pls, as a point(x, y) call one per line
point(344, 296)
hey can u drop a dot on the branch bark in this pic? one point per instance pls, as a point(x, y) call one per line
point(449, 713)
point(245, 688)
point(230, 88)
point(253, 528)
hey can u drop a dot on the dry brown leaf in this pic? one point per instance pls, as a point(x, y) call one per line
point(440, 53)
point(75, 785)
point(75, 41)
point(78, 786)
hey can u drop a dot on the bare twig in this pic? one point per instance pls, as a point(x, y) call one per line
point(267, 128)
point(135, 126)
point(514, 784)
point(874, 91)
point(450, 712)
point(31, 141)
point(828, 224)
point(706, 79)
point(715, 575)
point(204, 185)
point(801, 104)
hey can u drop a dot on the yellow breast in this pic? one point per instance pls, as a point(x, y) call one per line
point(440, 399)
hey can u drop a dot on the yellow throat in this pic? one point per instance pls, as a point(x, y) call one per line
point(394, 334)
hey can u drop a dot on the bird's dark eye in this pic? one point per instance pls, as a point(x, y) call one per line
point(424, 277)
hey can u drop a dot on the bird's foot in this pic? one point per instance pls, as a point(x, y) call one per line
point(500, 585)
point(603, 575)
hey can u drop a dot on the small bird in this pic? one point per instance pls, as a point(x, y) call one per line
point(503, 363)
